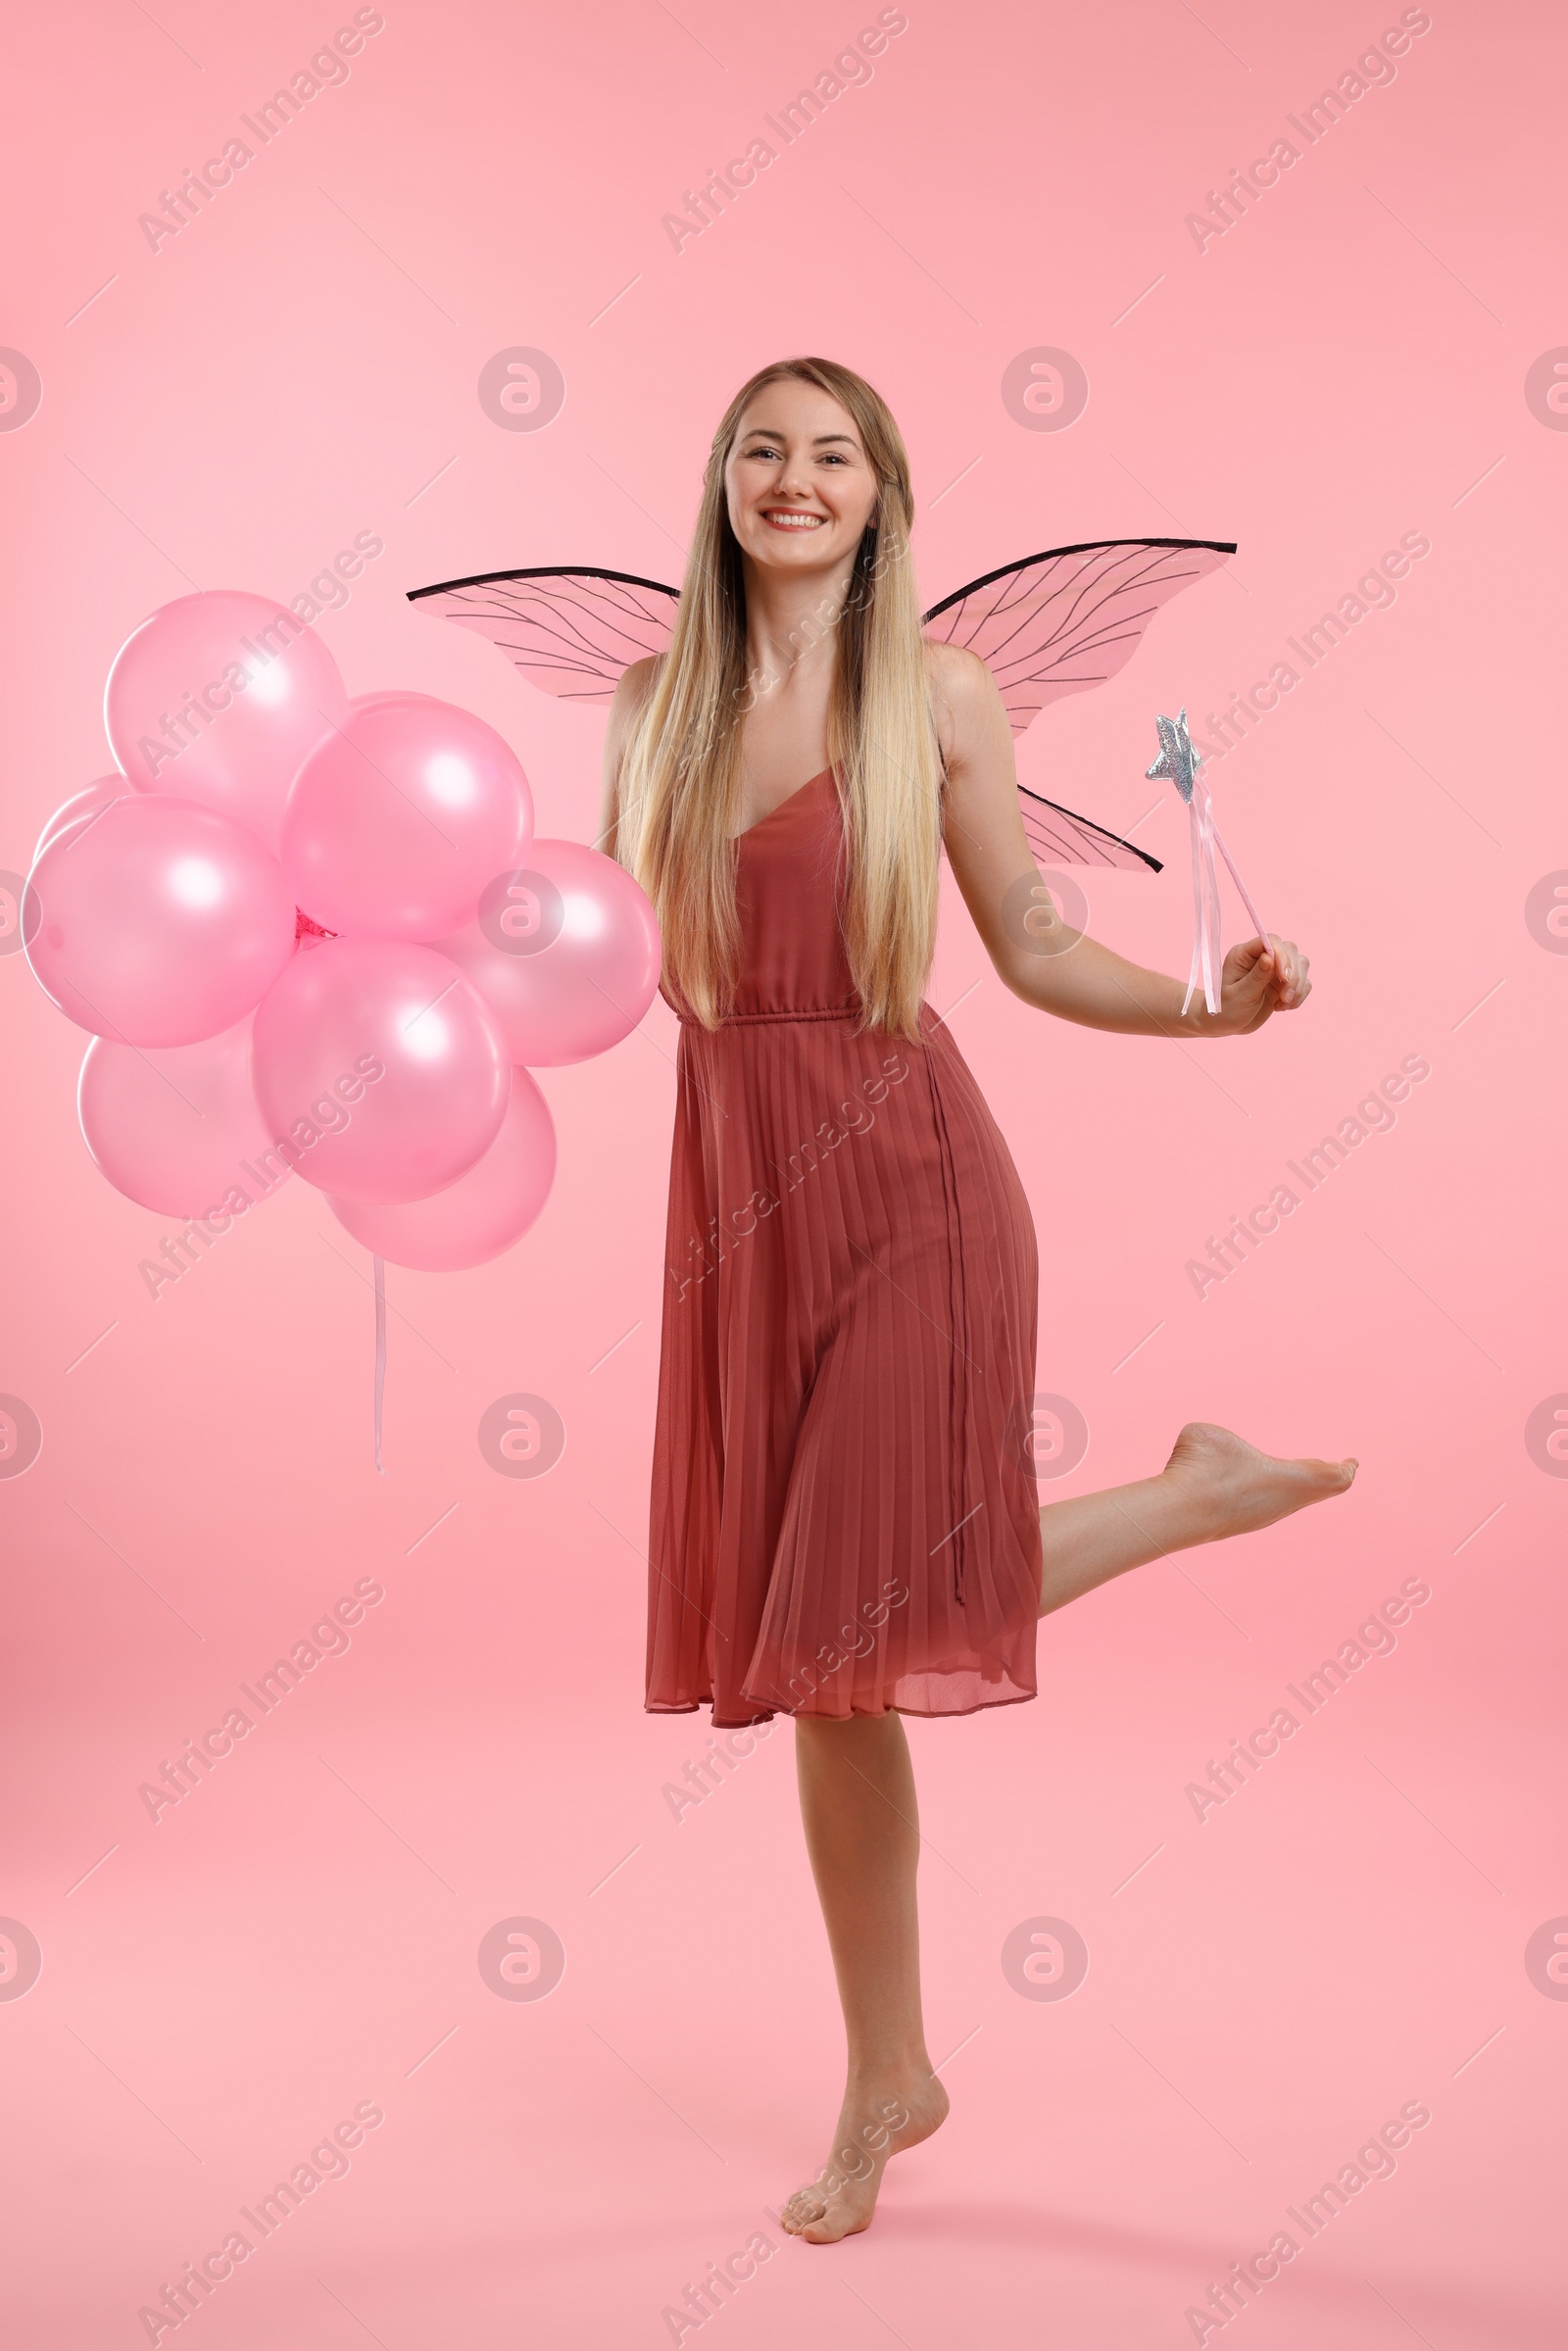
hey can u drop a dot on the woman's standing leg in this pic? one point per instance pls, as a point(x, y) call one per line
point(857, 1805)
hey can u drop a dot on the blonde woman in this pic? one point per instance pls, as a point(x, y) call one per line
point(845, 1527)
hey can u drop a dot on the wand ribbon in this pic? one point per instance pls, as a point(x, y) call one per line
point(1182, 764)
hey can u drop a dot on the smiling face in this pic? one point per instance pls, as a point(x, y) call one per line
point(798, 482)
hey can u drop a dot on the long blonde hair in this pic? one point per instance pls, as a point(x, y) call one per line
point(680, 775)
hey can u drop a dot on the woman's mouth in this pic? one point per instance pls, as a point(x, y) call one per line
point(782, 517)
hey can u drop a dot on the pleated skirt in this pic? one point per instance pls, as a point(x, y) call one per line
point(844, 1514)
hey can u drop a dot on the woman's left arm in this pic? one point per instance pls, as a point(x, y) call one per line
point(1037, 954)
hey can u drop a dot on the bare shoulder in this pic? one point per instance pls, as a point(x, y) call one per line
point(963, 698)
point(630, 699)
point(635, 685)
point(954, 670)
point(627, 705)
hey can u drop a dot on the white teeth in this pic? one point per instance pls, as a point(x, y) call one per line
point(786, 521)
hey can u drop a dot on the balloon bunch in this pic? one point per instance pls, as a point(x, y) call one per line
point(314, 934)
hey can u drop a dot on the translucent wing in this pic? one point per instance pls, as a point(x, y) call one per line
point(1059, 838)
point(569, 632)
point(1056, 624)
point(1059, 622)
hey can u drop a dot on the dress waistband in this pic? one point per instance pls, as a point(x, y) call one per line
point(689, 1020)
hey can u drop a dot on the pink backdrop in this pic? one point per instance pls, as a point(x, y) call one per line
point(1364, 1925)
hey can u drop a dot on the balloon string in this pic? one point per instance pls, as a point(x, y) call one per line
point(380, 1356)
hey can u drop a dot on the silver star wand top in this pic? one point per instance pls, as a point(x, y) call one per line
point(1177, 759)
point(1179, 763)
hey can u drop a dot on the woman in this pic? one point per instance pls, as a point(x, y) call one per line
point(845, 1524)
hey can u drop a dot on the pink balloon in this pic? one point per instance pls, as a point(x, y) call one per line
point(157, 922)
point(378, 1069)
point(395, 824)
point(218, 698)
point(565, 951)
point(84, 803)
point(483, 1212)
point(179, 1129)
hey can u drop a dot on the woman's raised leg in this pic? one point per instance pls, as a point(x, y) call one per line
point(857, 1805)
point(1214, 1484)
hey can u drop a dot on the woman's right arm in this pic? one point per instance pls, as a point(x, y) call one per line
point(625, 709)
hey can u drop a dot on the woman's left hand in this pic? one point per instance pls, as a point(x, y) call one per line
point(1257, 980)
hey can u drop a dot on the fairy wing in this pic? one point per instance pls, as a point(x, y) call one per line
point(1059, 838)
point(1057, 623)
point(570, 632)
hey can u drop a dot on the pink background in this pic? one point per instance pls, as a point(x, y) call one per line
point(1265, 1988)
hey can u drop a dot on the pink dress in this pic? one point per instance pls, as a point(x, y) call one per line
point(844, 1515)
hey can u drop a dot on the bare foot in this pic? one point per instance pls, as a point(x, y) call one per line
point(876, 2120)
point(1230, 1488)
